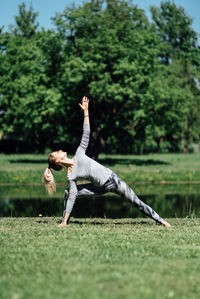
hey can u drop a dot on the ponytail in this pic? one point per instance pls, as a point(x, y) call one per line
point(47, 177)
point(48, 180)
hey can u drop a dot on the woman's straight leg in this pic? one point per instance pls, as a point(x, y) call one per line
point(115, 184)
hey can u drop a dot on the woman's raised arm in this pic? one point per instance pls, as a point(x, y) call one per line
point(86, 126)
point(84, 106)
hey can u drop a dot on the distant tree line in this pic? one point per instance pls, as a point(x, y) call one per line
point(142, 78)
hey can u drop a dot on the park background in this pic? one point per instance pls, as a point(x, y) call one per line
point(140, 69)
point(141, 75)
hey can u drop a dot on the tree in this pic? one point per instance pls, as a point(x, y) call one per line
point(26, 25)
point(29, 106)
point(142, 79)
point(173, 27)
point(29, 100)
point(179, 47)
point(108, 53)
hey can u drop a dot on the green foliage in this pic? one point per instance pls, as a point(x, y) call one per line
point(25, 22)
point(173, 26)
point(141, 78)
point(178, 49)
point(29, 106)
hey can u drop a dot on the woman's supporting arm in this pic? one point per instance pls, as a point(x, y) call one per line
point(64, 222)
point(70, 202)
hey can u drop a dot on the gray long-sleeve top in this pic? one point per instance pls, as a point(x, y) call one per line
point(85, 168)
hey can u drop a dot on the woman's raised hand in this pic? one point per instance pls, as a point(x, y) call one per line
point(85, 103)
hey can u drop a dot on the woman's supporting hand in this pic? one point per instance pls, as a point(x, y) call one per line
point(62, 225)
point(64, 222)
point(85, 104)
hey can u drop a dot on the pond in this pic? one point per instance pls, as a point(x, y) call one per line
point(181, 200)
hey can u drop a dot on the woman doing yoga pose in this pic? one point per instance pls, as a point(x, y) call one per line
point(82, 167)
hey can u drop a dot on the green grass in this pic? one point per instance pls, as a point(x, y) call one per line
point(155, 168)
point(158, 168)
point(99, 258)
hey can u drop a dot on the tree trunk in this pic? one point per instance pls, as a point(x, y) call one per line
point(96, 146)
point(186, 137)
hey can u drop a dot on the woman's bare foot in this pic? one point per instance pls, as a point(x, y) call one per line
point(166, 224)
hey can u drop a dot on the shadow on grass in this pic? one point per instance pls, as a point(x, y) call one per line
point(105, 223)
point(132, 222)
point(107, 161)
point(125, 161)
point(34, 161)
point(43, 221)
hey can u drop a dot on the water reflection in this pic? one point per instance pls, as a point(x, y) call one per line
point(167, 200)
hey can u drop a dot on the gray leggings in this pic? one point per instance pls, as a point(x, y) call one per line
point(116, 185)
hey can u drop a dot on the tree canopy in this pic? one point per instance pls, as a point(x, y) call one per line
point(142, 79)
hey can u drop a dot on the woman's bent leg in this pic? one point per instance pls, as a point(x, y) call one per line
point(83, 190)
point(89, 190)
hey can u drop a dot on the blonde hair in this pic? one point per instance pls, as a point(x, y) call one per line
point(48, 178)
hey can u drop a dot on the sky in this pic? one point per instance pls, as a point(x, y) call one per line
point(49, 8)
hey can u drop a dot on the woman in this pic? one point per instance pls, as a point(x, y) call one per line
point(82, 167)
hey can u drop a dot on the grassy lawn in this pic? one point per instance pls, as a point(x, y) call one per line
point(99, 258)
point(154, 168)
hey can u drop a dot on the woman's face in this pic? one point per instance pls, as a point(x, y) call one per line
point(60, 155)
point(59, 159)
